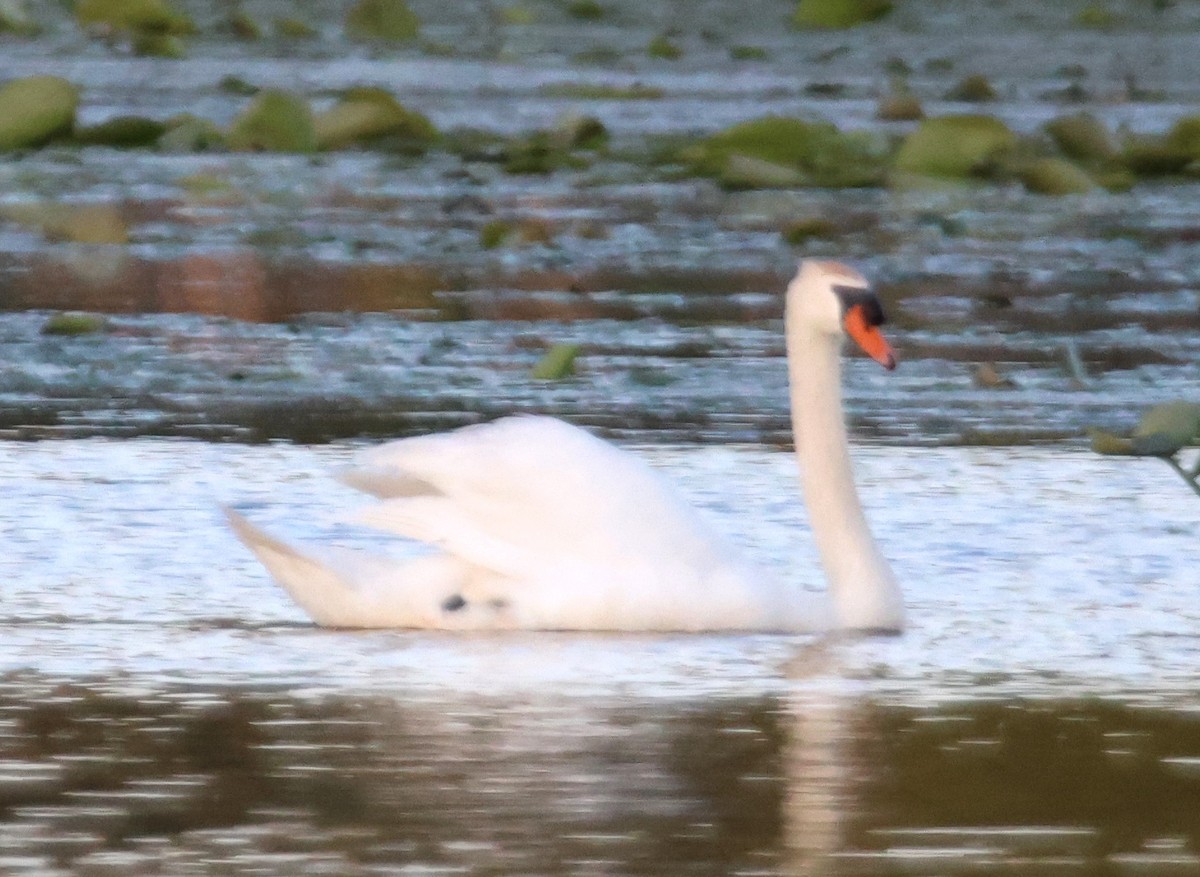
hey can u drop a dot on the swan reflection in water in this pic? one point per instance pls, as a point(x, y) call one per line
point(816, 773)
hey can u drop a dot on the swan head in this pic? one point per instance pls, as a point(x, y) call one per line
point(833, 299)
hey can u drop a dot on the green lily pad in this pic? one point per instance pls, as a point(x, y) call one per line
point(35, 110)
point(778, 151)
point(366, 114)
point(558, 363)
point(1110, 444)
point(74, 323)
point(1082, 137)
point(126, 132)
point(390, 20)
point(15, 19)
point(1056, 176)
point(838, 13)
point(275, 121)
point(188, 133)
point(954, 147)
point(135, 15)
point(1166, 428)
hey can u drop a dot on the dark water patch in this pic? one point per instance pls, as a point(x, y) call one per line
point(831, 784)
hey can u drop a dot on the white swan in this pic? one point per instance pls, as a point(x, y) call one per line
point(540, 525)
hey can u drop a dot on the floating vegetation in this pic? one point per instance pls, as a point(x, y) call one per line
point(146, 16)
point(122, 132)
point(288, 28)
point(664, 48)
point(1164, 431)
point(1082, 137)
point(585, 10)
point(1056, 176)
point(363, 115)
point(777, 151)
point(974, 88)
point(15, 19)
point(557, 363)
point(74, 223)
point(899, 105)
point(35, 110)
point(838, 13)
point(275, 121)
point(955, 147)
point(388, 20)
point(74, 323)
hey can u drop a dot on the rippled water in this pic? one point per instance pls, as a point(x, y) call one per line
point(164, 708)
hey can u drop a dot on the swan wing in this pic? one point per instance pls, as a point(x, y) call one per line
point(523, 494)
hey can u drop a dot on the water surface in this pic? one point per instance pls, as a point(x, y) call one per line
point(164, 707)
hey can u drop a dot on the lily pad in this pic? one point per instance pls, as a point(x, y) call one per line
point(1082, 137)
point(558, 363)
point(777, 151)
point(275, 121)
point(366, 114)
point(74, 323)
point(35, 110)
point(1166, 428)
point(126, 132)
point(838, 13)
point(134, 15)
point(15, 19)
point(1184, 137)
point(75, 223)
point(152, 44)
point(974, 88)
point(190, 133)
point(954, 147)
point(389, 20)
point(1056, 176)
point(579, 131)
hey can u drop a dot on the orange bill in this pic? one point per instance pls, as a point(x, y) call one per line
point(868, 337)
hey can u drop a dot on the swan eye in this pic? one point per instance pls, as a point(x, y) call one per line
point(857, 296)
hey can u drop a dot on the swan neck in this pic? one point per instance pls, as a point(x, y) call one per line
point(862, 587)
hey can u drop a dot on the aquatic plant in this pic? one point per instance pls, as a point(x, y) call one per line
point(664, 48)
point(390, 20)
point(74, 323)
point(1082, 137)
point(585, 10)
point(35, 110)
point(954, 147)
point(557, 363)
point(973, 88)
point(366, 114)
point(838, 13)
point(15, 19)
point(1055, 176)
point(275, 121)
point(784, 152)
point(157, 16)
point(1164, 431)
point(129, 132)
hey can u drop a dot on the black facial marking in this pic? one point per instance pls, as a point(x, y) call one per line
point(857, 295)
point(454, 603)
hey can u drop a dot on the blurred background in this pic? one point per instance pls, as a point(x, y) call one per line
point(239, 240)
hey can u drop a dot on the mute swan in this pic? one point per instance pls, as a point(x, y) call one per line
point(540, 525)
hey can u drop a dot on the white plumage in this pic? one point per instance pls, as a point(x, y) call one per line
point(539, 524)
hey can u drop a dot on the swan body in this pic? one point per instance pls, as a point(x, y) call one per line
point(537, 524)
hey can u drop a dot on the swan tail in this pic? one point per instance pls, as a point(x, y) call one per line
point(357, 590)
